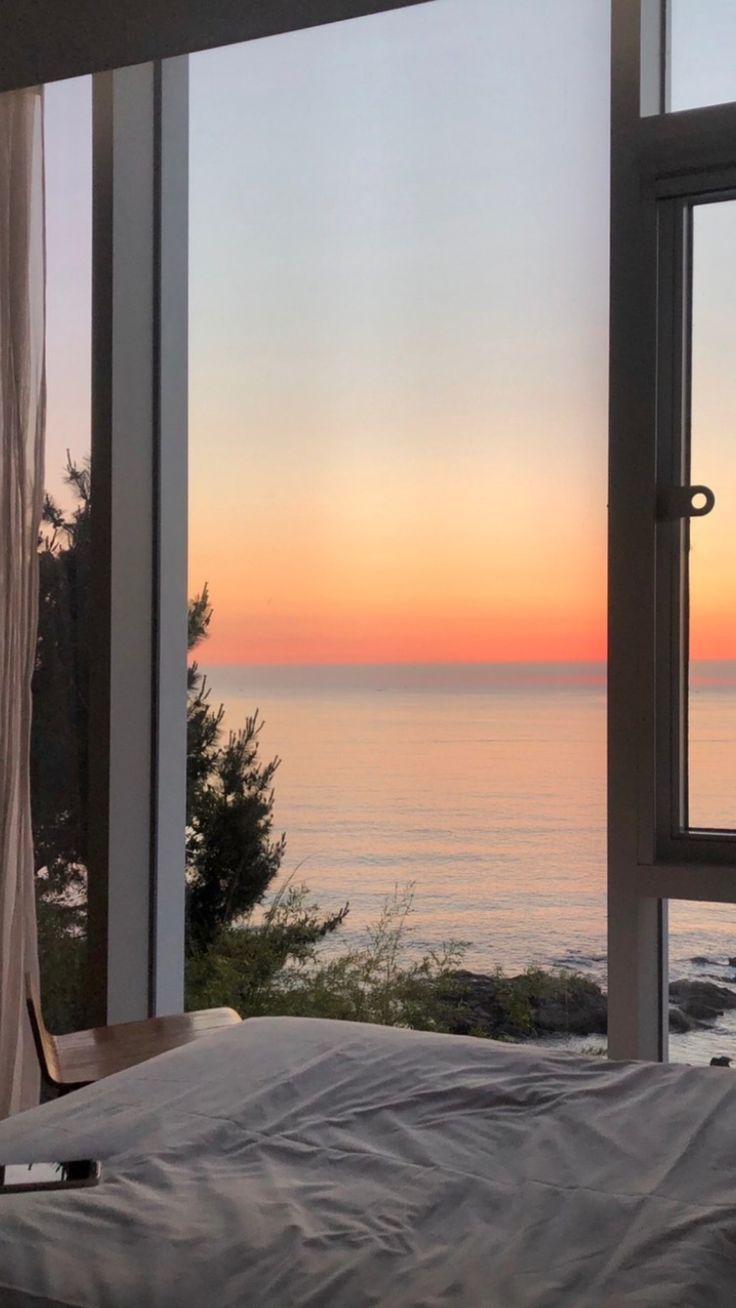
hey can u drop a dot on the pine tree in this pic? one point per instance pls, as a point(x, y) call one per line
point(232, 855)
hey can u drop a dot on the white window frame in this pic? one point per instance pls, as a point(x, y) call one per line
point(660, 162)
point(137, 801)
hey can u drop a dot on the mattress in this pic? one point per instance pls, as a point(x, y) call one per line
point(288, 1163)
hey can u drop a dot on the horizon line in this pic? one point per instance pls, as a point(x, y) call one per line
point(408, 663)
point(429, 663)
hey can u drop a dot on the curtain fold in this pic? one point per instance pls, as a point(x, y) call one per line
point(22, 424)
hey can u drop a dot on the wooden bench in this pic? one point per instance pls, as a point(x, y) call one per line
point(69, 1062)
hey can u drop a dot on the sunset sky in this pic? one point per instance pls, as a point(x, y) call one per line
point(398, 367)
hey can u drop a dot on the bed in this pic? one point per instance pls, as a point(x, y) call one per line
point(293, 1163)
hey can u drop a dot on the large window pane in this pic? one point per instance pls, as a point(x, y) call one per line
point(60, 699)
point(712, 559)
point(398, 450)
point(702, 44)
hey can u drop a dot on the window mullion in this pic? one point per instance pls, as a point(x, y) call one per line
point(138, 663)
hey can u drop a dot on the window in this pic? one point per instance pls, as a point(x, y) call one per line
point(674, 174)
point(702, 42)
point(712, 554)
point(671, 836)
point(397, 414)
point(702, 976)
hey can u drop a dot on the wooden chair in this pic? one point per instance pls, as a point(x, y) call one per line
point(69, 1062)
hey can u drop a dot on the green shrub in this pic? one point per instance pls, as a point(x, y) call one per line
point(277, 968)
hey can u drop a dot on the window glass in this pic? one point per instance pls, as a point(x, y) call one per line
point(712, 555)
point(702, 46)
point(398, 413)
point(60, 700)
point(702, 964)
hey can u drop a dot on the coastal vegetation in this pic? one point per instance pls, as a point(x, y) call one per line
point(255, 940)
point(59, 760)
point(232, 853)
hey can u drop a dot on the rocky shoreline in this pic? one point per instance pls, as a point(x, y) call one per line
point(539, 1003)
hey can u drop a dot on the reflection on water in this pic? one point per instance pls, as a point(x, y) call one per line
point(490, 798)
point(712, 753)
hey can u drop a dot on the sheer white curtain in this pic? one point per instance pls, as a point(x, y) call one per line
point(22, 415)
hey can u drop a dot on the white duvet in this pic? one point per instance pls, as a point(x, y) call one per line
point(290, 1163)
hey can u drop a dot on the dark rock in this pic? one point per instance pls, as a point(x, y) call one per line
point(703, 1012)
point(474, 1004)
point(732, 962)
point(679, 1021)
point(545, 1003)
point(534, 1003)
point(702, 1000)
point(720, 1062)
point(579, 1009)
point(701, 960)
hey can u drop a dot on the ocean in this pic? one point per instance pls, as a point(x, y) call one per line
point(482, 786)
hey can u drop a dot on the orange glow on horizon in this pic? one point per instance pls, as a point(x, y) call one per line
point(410, 637)
point(713, 636)
point(381, 557)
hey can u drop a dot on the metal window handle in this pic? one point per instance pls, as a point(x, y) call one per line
point(679, 502)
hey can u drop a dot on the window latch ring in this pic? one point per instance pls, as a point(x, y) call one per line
point(684, 502)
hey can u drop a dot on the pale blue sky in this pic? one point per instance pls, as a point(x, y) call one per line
point(398, 315)
point(703, 52)
point(399, 297)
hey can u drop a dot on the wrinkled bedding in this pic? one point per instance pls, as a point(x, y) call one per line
point(290, 1163)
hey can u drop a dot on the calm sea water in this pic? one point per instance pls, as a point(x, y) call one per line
point(484, 786)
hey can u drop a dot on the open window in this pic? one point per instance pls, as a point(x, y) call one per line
point(672, 826)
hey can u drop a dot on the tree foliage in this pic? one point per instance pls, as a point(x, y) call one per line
point(232, 854)
point(379, 979)
point(60, 724)
point(59, 759)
